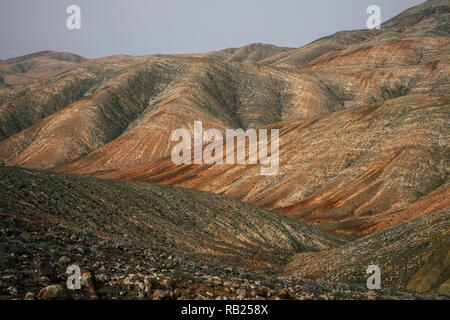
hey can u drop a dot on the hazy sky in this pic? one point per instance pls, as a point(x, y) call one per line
point(139, 27)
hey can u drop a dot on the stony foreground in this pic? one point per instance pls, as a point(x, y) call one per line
point(34, 259)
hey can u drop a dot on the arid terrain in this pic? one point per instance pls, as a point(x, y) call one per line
point(87, 177)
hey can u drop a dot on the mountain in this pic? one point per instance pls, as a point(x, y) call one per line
point(345, 121)
point(363, 120)
point(420, 264)
point(180, 220)
point(349, 173)
point(429, 19)
point(252, 53)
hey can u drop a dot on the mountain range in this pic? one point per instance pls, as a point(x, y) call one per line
point(364, 151)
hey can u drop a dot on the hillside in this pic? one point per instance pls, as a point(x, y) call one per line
point(179, 220)
point(252, 53)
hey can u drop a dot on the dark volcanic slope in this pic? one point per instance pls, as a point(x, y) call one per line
point(414, 255)
point(121, 111)
point(199, 223)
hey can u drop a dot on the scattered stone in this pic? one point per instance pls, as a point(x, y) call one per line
point(102, 278)
point(53, 292)
point(284, 294)
point(241, 293)
point(126, 271)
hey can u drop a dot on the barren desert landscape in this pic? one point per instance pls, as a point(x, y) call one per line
point(87, 176)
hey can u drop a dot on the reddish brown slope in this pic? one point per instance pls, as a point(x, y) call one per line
point(128, 118)
point(352, 172)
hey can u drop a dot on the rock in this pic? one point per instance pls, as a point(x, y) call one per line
point(25, 236)
point(140, 285)
point(371, 295)
point(216, 282)
point(44, 281)
point(167, 283)
point(53, 292)
point(79, 249)
point(64, 260)
point(30, 295)
point(129, 280)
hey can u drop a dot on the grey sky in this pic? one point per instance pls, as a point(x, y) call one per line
point(139, 27)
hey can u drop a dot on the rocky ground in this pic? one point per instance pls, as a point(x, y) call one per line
point(363, 176)
point(34, 258)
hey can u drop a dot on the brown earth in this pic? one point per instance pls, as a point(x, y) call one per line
point(364, 138)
